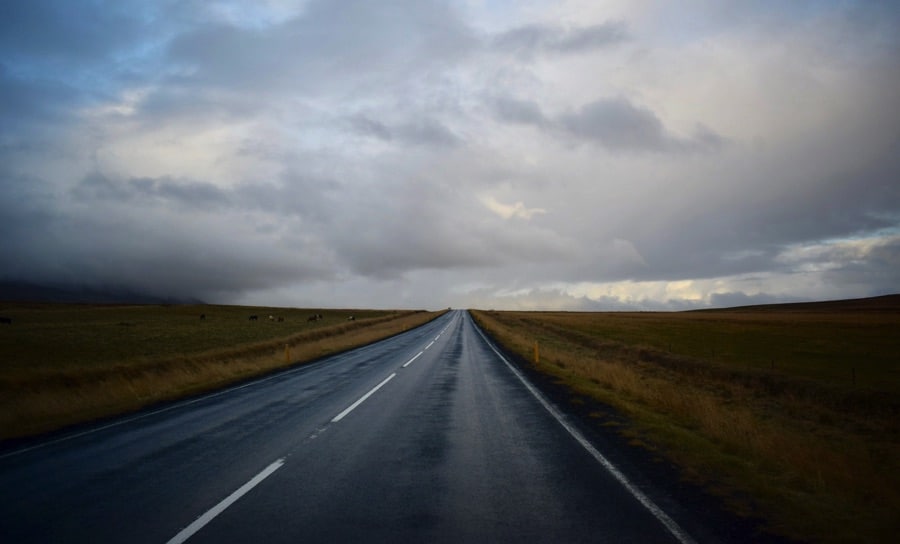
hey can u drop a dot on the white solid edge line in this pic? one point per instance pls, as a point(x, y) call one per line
point(362, 399)
point(657, 512)
point(407, 363)
point(210, 514)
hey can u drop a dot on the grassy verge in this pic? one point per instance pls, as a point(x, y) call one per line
point(67, 364)
point(790, 416)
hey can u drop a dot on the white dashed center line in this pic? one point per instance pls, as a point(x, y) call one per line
point(200, 522)
point(407, 363)
point(362, 399)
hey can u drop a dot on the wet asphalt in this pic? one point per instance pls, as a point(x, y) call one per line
point(428, 436)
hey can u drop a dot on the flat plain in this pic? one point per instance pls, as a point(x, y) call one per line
point(788, 413)
point(63, 364)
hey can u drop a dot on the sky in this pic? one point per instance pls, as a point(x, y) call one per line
point(558, 155)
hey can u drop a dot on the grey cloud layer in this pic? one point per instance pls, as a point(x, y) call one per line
point(365, 145)
point(330, 44)
point(613, 123)
point(533, 39)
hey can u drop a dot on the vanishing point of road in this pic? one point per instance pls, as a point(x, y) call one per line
point(429, 436)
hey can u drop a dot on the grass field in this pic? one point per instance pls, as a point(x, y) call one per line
point(789, 413)
point(67, 363)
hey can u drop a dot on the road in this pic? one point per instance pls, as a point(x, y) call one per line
point(430, 436)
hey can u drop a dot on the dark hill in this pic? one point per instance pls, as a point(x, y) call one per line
point(884, 303)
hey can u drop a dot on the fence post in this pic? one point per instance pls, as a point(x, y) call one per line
point(287, 353)
point(537, 353)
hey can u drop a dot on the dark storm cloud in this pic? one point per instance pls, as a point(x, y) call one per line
point(371, 128)
point(428, 132)
point(147, 191)
point(129, 233)
point(613, 123)
point(617, 124)
point(529, 40)
point(512, 110)
point(422, 131)
point(26, 215)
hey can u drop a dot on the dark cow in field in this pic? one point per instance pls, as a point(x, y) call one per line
point(351, 318)
point(314, 317)
point(6, 320)
point(253, 318)
point(202, 317)
point(280, 319)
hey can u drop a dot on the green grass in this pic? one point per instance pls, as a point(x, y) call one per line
point(760, 405)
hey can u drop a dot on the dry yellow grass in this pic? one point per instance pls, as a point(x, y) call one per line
point(818, 459)
point(49, 396)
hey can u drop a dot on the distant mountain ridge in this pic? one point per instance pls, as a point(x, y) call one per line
point(884, 303)
point(22, 291)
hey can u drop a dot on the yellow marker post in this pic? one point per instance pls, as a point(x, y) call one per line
point(287, 353)
point(537, 353)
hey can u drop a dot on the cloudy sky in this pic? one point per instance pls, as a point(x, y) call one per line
point(575, 155)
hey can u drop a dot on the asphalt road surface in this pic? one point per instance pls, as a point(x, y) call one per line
point(430, 436)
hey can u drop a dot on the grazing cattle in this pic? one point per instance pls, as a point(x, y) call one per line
point(6, 320)
point(280, 319)
point(312, 318)
point(271, 318)
point(351, 318)
point(202, 317)
point(253, 318)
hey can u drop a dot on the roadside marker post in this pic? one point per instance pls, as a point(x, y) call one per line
point(537, 353)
